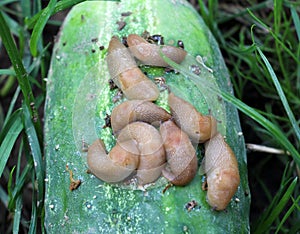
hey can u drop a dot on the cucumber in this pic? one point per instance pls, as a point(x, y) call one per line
point(79, 98)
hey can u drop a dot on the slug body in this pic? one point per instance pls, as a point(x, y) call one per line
point(149, 54)
point(126, 75)
point(199, 127)
point(182, 162)
point(137, 110)
point(115, 166)
point(221, 168)
point(152, 153)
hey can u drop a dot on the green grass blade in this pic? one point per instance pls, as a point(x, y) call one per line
point(4, 2)
point(7, 86)
point(19, 201)
point(274, 200)
point(33, 219)
point(9, 72)
point(19, 163)
point(13, 25)
point(296, 20)
point(288, 214)
point(19, 185)
point(38, 28)
point(10, 182)
point(36, 153)
point(26, 6)
point(242, 12)
point(3, 196)
point(21, 73)
point(203, 11)
point(209, 17)
point(265, 224)
point(8, 138)
point(12, 105)
point(9, 123)
point(291, 53)
point(36, 6)
point(17, 215)
point(281, 94)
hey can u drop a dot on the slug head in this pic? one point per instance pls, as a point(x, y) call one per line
point(222, 185)
point(116, 166)
point(136, 85)
point(149, 54)
point(119, 60)
point(199, 127)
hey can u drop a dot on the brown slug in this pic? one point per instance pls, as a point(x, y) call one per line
point(152, 153)
point(137, 110)
point(126, 74)
point(115, 166)
point(149, 54)
point(221, 168)
point(182, 162)
point(199, 127)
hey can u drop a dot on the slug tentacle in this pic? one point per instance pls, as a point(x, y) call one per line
point(149, 54)
point(152, 152)
point(221, 168)
point(199, 127)
point(181, 156)
point(126, 75)
point(115, 166)
point(137, 110)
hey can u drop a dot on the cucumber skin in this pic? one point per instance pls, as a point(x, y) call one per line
point(78, 70)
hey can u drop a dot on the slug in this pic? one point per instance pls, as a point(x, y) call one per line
point(149, 54)
point(127, 76)
point(199, 127)
point(221, 168)
point(182, 162)
point(137, 110)
point(152, 152)
point(115, 166)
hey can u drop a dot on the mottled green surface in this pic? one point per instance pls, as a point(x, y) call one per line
point(78, 99)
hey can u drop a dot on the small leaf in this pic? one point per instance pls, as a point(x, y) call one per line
point(19, 185)
point(35, 151)
point(8, 137)
point(281, 94)
point(39, 27)
point(17, 215)
point(3, 196)
point(289, 212)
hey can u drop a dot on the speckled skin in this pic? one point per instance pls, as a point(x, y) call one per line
point(199, 127)
point(137, 110)
point(149, 54)
point(181, 156)
point(126, 75)
point(221, 168)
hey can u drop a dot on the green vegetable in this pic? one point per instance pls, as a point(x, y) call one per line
point(79, 98)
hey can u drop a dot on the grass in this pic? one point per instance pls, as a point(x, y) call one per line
point(261, 46)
